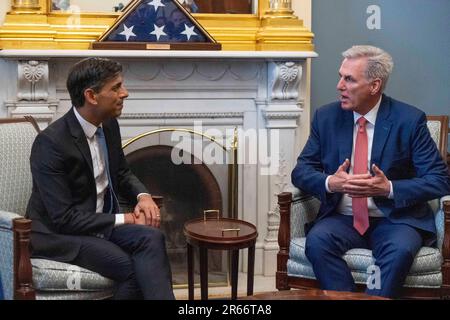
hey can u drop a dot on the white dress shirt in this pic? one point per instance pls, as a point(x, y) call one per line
point(98, 164)
point(345, 206)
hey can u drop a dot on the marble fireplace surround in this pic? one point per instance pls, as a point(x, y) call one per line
point(172, 89)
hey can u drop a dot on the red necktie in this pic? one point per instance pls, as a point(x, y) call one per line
point(359, 205)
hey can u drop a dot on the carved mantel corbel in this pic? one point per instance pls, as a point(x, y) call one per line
point(283, 107)
point(285, 80)
point(32, 96)
point(33, 81)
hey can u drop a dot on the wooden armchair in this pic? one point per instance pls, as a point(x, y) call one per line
point(429, 276)
point(23, 277)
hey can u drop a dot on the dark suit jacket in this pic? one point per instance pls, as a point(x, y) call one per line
point(402, 147)
point(63, 200)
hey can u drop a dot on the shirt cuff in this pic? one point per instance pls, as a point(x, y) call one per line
point(326, 185)
point(391, 191)
point(141, 194)
point(120, 219)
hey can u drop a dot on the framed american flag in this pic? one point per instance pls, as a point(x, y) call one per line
point(156, 25)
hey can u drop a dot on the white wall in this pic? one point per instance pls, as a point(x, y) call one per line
point(96, 6)
point(4, 8)
point(302, 9)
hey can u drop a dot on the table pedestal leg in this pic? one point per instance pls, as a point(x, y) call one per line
point(204, 273)
point(234, 273)
point(251, 269)
point(190, 272)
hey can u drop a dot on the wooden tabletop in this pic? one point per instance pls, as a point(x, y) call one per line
point(312, 294)
point(223, 230)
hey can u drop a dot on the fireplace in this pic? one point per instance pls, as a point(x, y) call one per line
point(188, 190)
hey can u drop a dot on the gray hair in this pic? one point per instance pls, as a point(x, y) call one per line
point(379, 62)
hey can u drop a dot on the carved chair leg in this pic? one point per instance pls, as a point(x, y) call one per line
point(284, 237)
point(23, 277)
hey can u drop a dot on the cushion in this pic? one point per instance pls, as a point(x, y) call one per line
point(51, 275)
point(74, 295)
point(427, 260)
point(425, 280)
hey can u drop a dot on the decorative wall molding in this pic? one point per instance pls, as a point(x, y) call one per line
point(42, 111)
point(273, 222)
point(277, 115)
point(187, 115)
point(207, 71)
point(282, 178)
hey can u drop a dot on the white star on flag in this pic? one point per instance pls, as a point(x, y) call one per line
point(156, 4)
point(158, 32)
point(189, 31)
point(127, 32)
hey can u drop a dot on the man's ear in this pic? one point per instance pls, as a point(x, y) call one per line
point(90, 96)
point(376, 86)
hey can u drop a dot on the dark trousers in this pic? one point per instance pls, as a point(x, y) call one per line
point(393, 246)
point(135, 257)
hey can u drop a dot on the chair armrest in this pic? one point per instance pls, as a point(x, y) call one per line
point(7, 253)
point(7, 219)
point(15, 264)
point(442, 200)
point(304, 209)
point(446, 243)
point(437, 205)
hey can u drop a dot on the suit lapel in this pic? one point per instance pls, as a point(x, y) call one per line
point(79, 138)
point(345, 136)
point(382, 128)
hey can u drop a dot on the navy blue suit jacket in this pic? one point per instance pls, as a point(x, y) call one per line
point(63, 199)
point(402, 147)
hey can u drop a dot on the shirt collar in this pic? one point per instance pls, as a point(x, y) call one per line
point(88, 128)
point(370, 116)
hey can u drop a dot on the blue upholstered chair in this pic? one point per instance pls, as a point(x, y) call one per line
point(22, 277)
point(429, 276)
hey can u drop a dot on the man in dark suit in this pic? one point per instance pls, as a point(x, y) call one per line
point(371, 161)
point(79, 170)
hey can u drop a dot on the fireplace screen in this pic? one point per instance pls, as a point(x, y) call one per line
point(188, 190)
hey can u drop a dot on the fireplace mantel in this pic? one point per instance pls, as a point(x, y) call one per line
point(174, 89)
point(174, 54)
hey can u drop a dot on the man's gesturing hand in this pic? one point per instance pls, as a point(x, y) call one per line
point(376, 186)
point(340, 177)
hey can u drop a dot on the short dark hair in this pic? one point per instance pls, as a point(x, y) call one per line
point(90, 73)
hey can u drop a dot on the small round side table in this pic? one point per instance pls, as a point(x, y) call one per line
point(220, 234)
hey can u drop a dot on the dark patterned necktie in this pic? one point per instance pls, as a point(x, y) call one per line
point(111, 204)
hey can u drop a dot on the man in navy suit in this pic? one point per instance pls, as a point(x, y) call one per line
point(371, 161)
point(79, 170)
